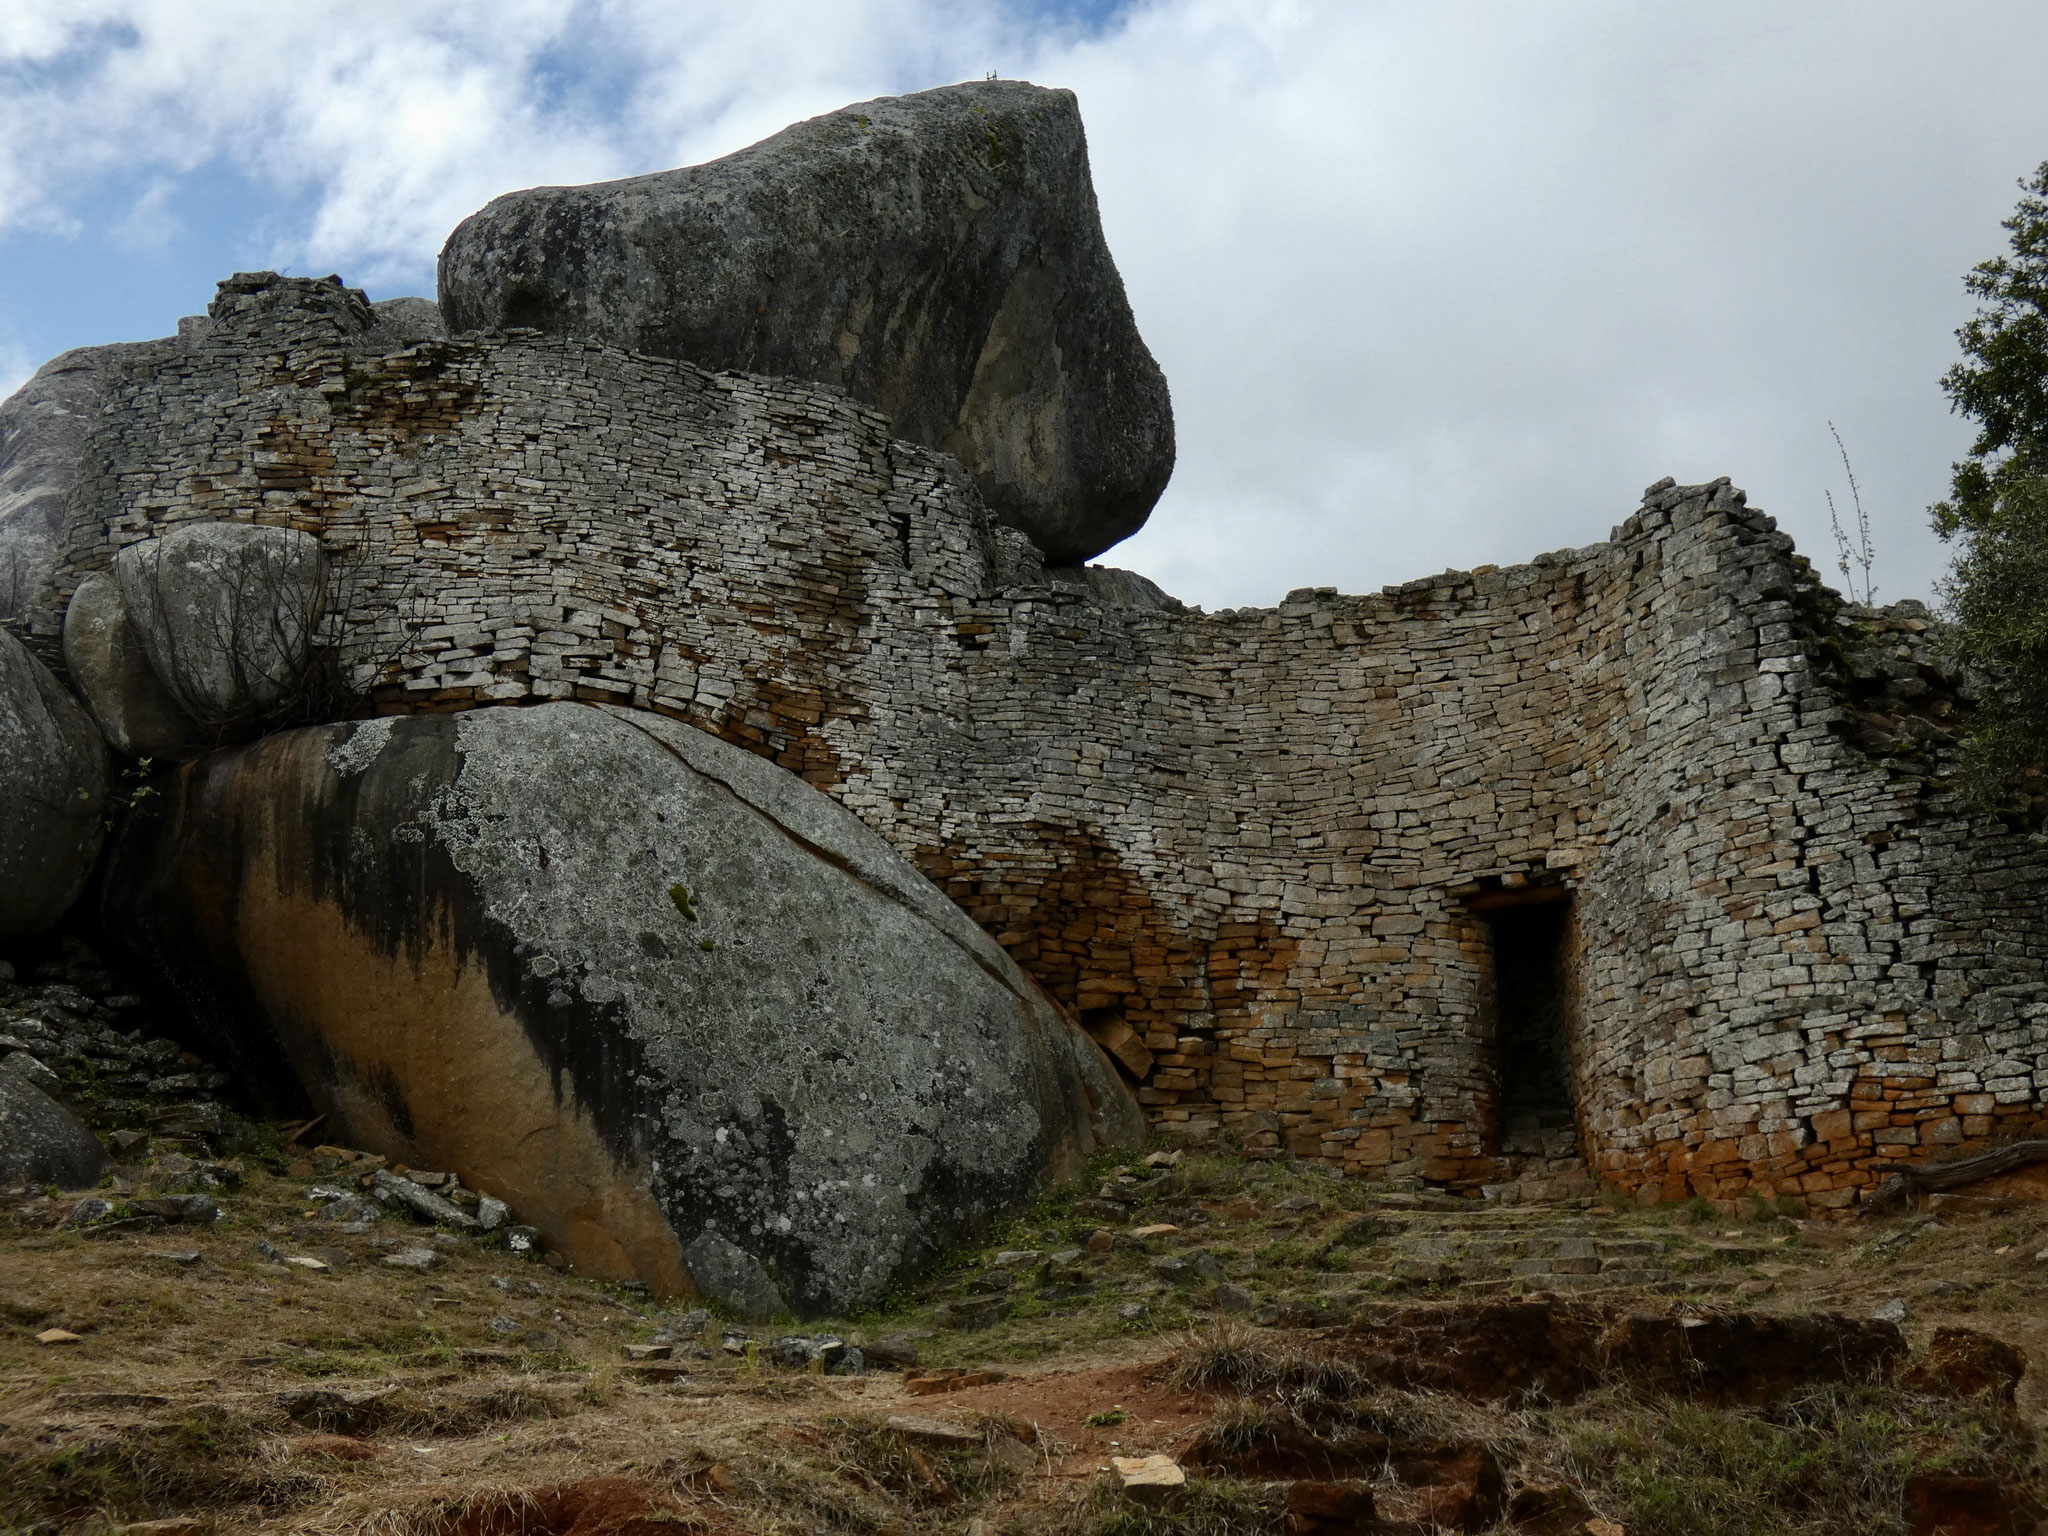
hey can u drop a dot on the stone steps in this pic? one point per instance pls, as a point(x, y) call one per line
point(1527, 1249)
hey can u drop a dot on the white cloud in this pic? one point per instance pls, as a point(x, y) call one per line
point(150, 224)
point(1435, 285)
point(401, 118)
point(39, 35)
point(1439, 286)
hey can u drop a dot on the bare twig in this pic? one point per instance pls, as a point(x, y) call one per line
point(1859, 552)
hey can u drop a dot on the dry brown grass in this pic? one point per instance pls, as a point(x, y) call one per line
point(176, 1400)
point(1229, 1356)
point(441, 1514)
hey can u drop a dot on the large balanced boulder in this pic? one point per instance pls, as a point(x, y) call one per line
point(938, 256)
point(53, 785)
point(687, 1015)
point(227, 615)
point(42, 1142)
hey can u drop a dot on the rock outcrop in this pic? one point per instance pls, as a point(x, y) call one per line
point(43, 429)
point(41, 1142)
point(685, 1014)
point(938, 256)
point(53, 783)
point(197, 635)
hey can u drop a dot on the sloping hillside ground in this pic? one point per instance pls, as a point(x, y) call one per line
point(267, 1348)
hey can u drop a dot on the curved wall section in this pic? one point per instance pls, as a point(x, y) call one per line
point(1251, 850)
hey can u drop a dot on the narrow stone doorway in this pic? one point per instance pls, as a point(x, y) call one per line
point(1530, 932)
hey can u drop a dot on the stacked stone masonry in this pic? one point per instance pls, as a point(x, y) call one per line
point(1266, 842)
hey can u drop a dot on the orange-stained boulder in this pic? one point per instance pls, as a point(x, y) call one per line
point(684, 1013)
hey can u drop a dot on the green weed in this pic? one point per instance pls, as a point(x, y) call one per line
point(1832, 1462)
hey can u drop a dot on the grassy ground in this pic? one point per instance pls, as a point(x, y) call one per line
point(211, 1382)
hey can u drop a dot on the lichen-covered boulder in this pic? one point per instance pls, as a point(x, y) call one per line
point(687, 1015)
point(103, 653)
point(227, 615)
point(42, 1142)
point(938, 256)
point(53, 784)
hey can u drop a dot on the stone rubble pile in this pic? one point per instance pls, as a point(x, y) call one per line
point(372, 1189)
point(73, 1032)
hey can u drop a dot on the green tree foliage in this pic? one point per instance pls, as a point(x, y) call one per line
point(1997, 508)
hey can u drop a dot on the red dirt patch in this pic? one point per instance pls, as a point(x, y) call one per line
point(1286, 1448)
point(1060, 1402)
point(1330, 1509)
point(1961, 1362)
point(596, 1506)
point(1943, 1504)
point(1513, 1351)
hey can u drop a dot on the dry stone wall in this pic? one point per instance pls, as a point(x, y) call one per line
point(1261, 853)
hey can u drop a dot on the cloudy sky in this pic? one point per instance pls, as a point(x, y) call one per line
point(1436, 284)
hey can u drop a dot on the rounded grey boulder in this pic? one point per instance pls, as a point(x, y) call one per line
point(41, 1142)
point(53, 784)
point(401, 322)
point(104, 654)
point(938, 256)
point(682, 1012)
point(226, 614)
